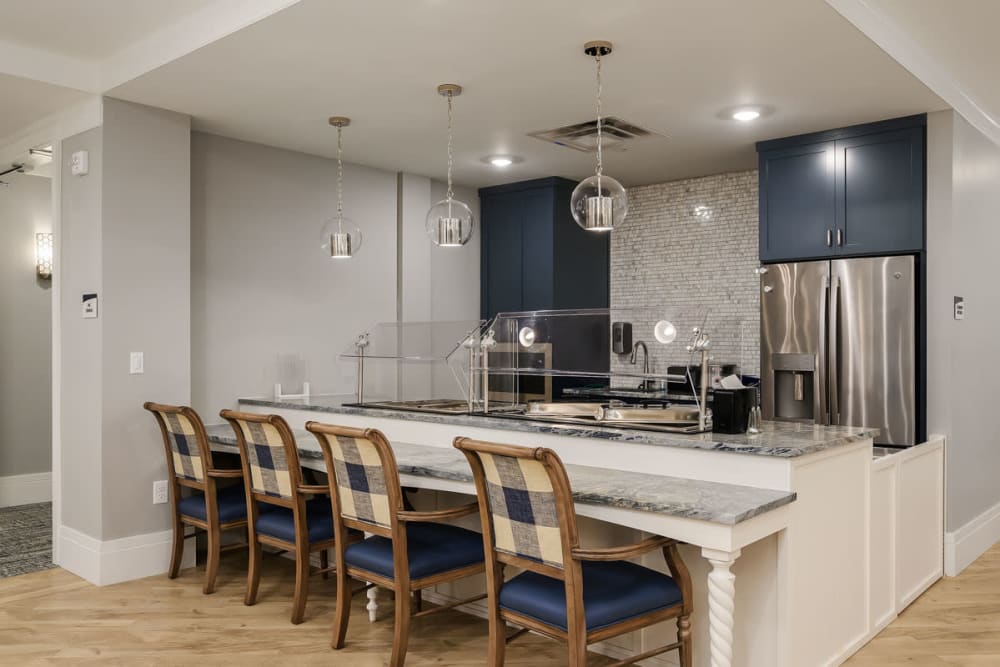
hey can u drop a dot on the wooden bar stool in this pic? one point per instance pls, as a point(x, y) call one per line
point(566, 592)
point(208, 507)
point(409, 550)
point(280, 515)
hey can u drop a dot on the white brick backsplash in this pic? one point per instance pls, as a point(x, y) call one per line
point(690, 243)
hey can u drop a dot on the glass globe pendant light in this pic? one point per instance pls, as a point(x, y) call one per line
point(599, 203)
point(449, 222)
point(338, 242)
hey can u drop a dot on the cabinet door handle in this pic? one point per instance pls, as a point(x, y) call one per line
point(840, 237)
point(829, 238)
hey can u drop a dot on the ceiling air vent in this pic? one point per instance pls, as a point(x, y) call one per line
point(583, 136)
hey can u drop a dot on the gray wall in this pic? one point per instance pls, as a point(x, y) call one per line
point(689, 244)
point(25, 335)
point(261, 286)
point(79, 263)
point(147, 302)
point(125, 235)
point(963, 237)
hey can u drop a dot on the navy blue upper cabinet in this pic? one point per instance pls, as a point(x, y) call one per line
point(797, 201)
point(853, 191)
point(534, 256)
point(880, 187)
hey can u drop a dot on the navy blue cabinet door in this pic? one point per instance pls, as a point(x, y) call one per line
point(797, 202)
point(502, 265)
point(880, 193)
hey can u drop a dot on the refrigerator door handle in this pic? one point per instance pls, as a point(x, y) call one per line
point(834, 335)
point(820, 403)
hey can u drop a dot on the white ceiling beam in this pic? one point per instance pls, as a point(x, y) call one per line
point(209, 24)
point(895, 41)
point(52, 68)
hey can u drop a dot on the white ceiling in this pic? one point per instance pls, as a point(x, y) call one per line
point(88, 29)
point(23, 101)
point(676, 65)
point(952, 46)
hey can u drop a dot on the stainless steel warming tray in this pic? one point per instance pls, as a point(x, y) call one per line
point(584, 410)
point(669, 415)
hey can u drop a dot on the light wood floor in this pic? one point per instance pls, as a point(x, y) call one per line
point(956, 622)
point(54, 616)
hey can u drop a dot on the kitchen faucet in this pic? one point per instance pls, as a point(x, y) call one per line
point(645, 362)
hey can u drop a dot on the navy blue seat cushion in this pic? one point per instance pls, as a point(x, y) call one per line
point(232, 504)
point(612, 592)
point(279, 521)
point(431, 547)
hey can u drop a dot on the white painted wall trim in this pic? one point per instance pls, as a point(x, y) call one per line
point(963, 546)
point(907, 52)
point(25, 489)
point(114, 561)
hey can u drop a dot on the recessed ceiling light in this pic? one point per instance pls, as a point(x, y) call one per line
point(746, 115)
point(502, 161)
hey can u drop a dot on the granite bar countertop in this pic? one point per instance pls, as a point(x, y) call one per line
point(727, 504)
point(779, 439)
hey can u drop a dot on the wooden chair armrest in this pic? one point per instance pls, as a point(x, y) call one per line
point(314, 488)
point(623, 552)
point(439, 515)
point(233, 473)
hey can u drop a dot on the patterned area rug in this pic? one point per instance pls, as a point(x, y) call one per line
point(25, 539)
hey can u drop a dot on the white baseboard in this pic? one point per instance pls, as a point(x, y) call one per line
point(963, 546)
point(25, 489)
point(480, 609)
point(114, 561)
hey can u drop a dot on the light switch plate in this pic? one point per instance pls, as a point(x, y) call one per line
point(959, 308)
point(90, 306)
point(135, 363)
point(160, 493)
point(79, 163)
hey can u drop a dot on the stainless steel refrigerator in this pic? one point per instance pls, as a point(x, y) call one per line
point(838, 344)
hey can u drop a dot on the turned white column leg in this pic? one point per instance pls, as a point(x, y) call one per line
point(372, 604)
point(721, 605)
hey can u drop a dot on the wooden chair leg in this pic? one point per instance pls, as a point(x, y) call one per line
point(214, 551)
point(178, 550)
point(343, 615)
point(301, 585)
point(401, 635)
point(324, 562)
point(253, 573)
point(577, 650)
point(498, 637)
point(418, 601)
point(684, 637)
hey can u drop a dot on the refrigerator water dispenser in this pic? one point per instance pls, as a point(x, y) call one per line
point(795, 387)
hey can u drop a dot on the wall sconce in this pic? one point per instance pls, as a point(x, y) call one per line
point(43, 255)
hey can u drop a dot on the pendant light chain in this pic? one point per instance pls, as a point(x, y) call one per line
point(340, 180)
point(600, 152)
point(451, 193)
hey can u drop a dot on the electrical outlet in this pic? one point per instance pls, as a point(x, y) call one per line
point(160, 494)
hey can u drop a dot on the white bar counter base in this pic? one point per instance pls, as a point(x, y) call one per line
point(792, 587)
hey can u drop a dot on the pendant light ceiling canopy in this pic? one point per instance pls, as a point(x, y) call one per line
point(341, 239)
point(449, 222)
point(599, 203)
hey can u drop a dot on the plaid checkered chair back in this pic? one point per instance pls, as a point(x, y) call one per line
point(267, 459)
point(522, 506)
point(361, 480)
point(186, 454)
